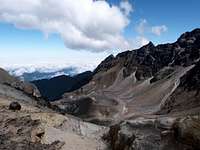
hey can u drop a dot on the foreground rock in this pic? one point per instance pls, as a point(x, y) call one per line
point(187, 131)
point(155, 134)
point(15, 106)
point(36, 127)
point(17, 133)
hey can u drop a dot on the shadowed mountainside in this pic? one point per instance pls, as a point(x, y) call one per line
point(54, 88)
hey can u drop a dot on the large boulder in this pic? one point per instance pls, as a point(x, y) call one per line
point(78, 107)
point(119, 139)
point(27, 88)
point(15, 106)
point(187, 131)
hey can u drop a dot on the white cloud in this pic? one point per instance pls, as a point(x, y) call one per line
point(126, 7)
point(158, 30)
point(82, 24)
point(142, 26)
point(139, 41)
point(19, 70)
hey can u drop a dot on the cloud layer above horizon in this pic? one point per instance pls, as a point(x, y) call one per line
point(82, 24)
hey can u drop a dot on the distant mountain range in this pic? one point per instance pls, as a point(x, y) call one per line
point(47, 75)
point(39, 74)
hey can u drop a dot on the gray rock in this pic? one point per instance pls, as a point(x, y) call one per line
point(187, 131)
point(15, 106)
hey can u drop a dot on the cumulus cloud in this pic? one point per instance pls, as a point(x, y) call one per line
point(158, 30)
point(126, 7)
point(144, 27)
point(82, 24)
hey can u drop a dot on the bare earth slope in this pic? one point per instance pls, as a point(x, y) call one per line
point(35, 127)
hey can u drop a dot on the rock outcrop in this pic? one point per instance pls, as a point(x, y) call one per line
point(38, 127)
point(159, 134)
point(187, 131)
point(15, 106)
point(28, 88)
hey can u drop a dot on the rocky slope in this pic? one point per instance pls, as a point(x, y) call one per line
point(143, 81)
point(28, 88)
point(144, 94)
point(37, 127)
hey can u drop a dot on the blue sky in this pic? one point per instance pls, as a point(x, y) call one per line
point(28, 44)
point(178, 15)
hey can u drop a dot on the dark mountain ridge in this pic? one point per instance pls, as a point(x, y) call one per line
point(54, 88)
point(152, 58)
